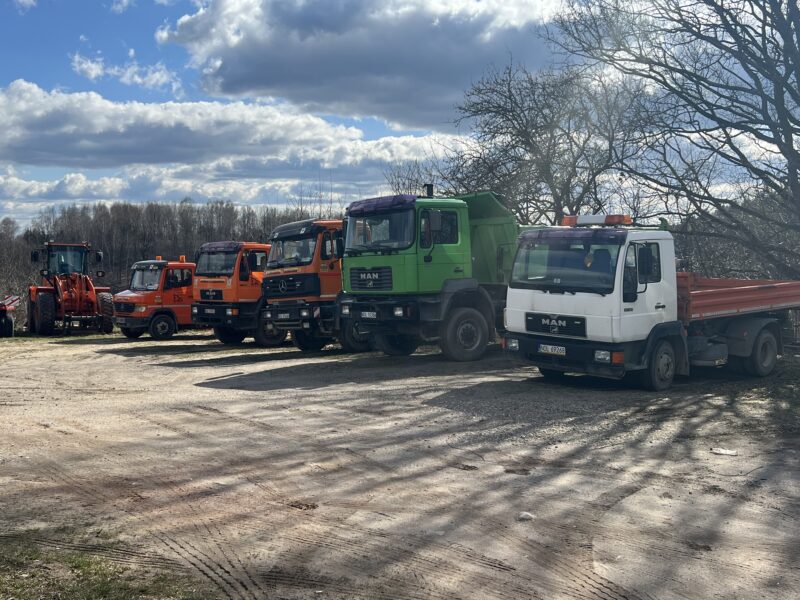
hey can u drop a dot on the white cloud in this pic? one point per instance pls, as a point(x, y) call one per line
point(154, 77)
point(406, 61)
point(120, 6)
point(24, 5)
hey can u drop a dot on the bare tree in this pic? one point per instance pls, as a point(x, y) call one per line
point(723, 83)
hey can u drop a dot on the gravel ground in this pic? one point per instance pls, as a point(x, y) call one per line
point(274, 474)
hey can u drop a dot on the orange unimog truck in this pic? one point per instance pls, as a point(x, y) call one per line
point(303, 278)
point(158, 299)
point(227, 292)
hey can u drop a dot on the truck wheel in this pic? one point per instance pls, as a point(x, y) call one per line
point(229, 336)
point(45, 314)
point(465, 335)
point(7, 326)
point(353, 341)
point(764, 356)
point(268, 338)
point(396, 344)
point(31, 316)
point(308, 343)
point(660, 371)
point(105, 302)
point(131, 334)
point(162, 327)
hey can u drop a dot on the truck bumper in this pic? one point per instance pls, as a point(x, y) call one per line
point(313, 317)
point(573, 356)
point(132, 322)
point(233, 315)
point(392, 315)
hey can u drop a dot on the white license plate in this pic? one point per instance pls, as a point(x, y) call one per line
point(120, 321)
point(369, 314)
point(76, 323)
point(284, 315)
point(210, 311)
point(554, 350)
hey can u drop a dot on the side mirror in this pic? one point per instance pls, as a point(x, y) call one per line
point(44, 273)
point(630, 276)
point(339, 247)
point(435, 221)
point(100, 274)
point(98, 257)
point(244, 274)
point(35, 256)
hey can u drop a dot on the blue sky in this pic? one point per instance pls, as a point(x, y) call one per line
point(254, 101)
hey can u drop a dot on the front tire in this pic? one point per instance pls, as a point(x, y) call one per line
point(660, 371)
point(764, 357)
point(131, 334)
point(396, 344)
point(45, 314)
point(162, 327)
point(229, 336)
point(308, 343)
point(465, 335)
point(105, 303)
point(268, 338)
point(7, 326)
point(353, 341)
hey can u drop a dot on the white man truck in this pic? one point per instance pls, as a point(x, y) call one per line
point(599, 297)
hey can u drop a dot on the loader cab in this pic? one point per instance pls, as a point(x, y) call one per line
point(67, 259)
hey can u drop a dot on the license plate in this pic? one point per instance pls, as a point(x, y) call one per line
point(554, 350)
point(76, 323)
point(120, 321)
point(284, 315)
point(369, 314)
point(210, 311)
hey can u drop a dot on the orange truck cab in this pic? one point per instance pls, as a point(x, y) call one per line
point(158, 299)
point(302, 281)
point(227, 292)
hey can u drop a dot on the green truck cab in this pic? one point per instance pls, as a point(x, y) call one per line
point(424, 269)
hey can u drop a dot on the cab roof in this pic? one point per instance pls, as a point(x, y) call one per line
point(289, 230)
point(229, 246)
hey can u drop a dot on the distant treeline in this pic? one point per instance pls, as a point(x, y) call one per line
point(127, 232)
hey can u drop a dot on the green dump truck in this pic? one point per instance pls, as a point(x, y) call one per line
point(427, 270)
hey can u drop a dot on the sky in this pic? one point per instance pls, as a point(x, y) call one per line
point(252, 101)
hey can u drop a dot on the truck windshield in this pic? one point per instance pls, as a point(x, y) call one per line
point(380, 231)
point(146, 278)
point(297, 250)
point(216, 263)
point(63, 260)
point(567, 265)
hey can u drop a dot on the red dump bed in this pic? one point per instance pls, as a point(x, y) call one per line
point(8, 303)
point(703, 298)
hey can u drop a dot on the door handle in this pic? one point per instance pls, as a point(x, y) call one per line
point(660, 306)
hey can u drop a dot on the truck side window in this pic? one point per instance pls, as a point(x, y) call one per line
point(177, 278)
point(258, 261)
point(649, 263)
point(448, 234)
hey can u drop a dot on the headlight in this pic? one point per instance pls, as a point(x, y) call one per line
point(231, 312)
point(345, 309)
point(398, 311)
point(512, 343)
point(603, 356)
point(140, 308)
point(268, 315)
point(194, 309)
point(304, 313)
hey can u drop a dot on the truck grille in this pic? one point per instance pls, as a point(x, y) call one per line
point(378, 278)
point(302, 284)
point(555, 324)
point(210, 294)
point(123, 307)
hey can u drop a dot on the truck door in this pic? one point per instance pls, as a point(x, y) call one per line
point(330, 266)
point(647, 297)
point(178, 293)
point(441, 255)
point(251, 274)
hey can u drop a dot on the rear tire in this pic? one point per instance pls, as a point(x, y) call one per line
point(352, 341)
point(131, 334)
point(308, 343)
point(31, 316)
point(105, 304)
point(7, 326)
point(396, 344)
point(465, 335)
point(229, 336)
point(45, 314)
point(268, 338)
point(162, 327)
point(660, 371)
point(764, 357)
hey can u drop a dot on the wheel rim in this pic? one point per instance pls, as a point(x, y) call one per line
point(665, 366)
point(467, 335)
point(765, 354)
point(162, 327)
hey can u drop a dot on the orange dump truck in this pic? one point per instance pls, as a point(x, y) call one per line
point(227, 292)
point(158, 299)
point(303, 278)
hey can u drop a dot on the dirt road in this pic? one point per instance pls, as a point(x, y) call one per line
point(272, 474)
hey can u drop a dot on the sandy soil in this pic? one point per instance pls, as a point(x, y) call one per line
point(273, 474)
